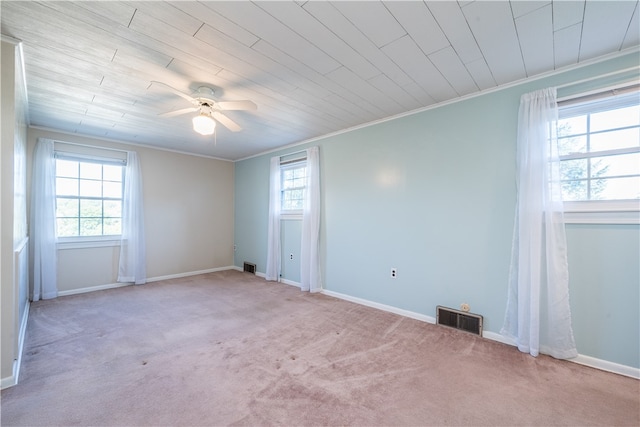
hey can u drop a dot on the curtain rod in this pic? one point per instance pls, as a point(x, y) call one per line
point(90, 146)
point(597, 77)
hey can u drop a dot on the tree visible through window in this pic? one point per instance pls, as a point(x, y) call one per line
point(88, 197)
point(599, 148)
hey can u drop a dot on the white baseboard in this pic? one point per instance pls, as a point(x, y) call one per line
point(9, 381)
point(92, 289)
point(627, 371)
point(13, 379)
point(149, 280)
point(290, 282)
point(190, 273)
point(604, 365)
point(21, 337)
point(493, 336)
point(384, 307)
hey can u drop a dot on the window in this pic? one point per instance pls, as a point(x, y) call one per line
point(292, 186)
point(88, 196)
point(599, 145)
point(599, 149)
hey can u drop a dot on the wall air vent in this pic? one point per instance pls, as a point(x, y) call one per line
point(249, 268)
point(459, 320)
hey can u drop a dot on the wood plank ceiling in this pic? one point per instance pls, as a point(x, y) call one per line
point(312, 67)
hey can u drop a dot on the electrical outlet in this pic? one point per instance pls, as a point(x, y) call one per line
point(394, 273)
point(291, 256)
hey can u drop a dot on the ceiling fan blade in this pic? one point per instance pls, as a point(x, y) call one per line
point(176, 91)
point(226, 121)
point(236, 105)
point(179, 112)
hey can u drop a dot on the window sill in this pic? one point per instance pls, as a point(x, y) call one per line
point(602, 212)
point(290, 216)
point(87, 242)
point(602, 217)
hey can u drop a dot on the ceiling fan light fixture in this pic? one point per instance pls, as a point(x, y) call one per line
point(204, 124)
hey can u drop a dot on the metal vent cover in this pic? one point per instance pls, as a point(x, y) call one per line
point(250, 268)
point(457, 319)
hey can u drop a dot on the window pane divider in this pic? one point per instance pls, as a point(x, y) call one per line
point(601, 177)
point(597, 132)
point(626, 150)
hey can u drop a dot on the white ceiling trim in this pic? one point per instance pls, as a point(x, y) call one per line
point(470, 96)
point(123, 142)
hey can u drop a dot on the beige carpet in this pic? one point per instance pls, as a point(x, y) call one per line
point(228, 348)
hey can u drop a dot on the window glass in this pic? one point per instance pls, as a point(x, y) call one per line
point(90, 188)
point(617, 188)
point(112, 189)
point(112, 173)
point(67, 226)
point(611, 140)
point(622, 164)
point(572, 144)
point(90, 171)
point(67, 207)
point(90, 227)
point(66, 187)
point(112, 226)
point(67, 168)
point(112, 208)
point(618, 118)
point(572, 126)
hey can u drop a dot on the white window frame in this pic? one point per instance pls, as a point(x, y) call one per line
point(601, 211)
point(77, 242)
point(289, 214)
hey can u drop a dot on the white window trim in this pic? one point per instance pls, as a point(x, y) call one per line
point(77, 242)
point(291, 214)
point(602, 212)
point(81, 242)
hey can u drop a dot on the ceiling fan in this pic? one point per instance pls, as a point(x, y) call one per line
point(209, 110)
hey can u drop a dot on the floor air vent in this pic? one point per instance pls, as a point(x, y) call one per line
point(250, 268)
point(459, 319)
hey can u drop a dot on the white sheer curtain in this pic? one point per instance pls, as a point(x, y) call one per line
point(538, 315)
point(309, 250)
point(42, 225)
point(273, 237)
point(132, 266)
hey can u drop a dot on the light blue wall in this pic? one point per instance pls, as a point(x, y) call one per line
point(291, 233)
point(430, 195)
point(251, 206)
point(604, 277)
point(433, 195)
